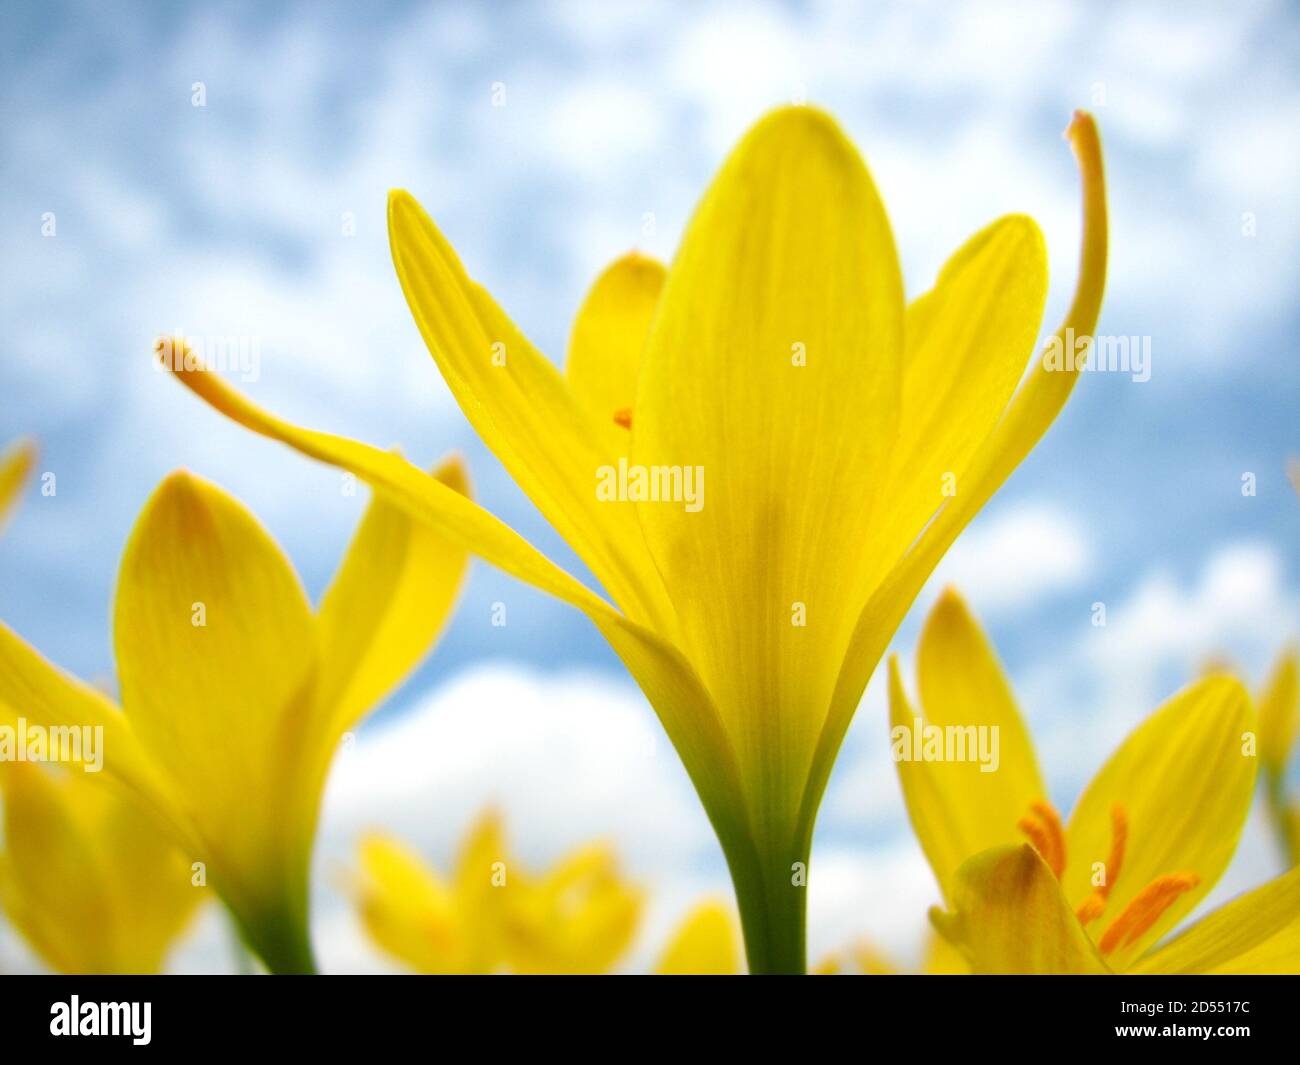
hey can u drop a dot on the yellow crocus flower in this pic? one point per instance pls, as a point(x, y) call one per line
point(235, 692)
point(1146, 841)
point(493, 915)
point(705, 943)
point(89, 879)
point(1279, 720)
point(847, 438)
point(16, 462)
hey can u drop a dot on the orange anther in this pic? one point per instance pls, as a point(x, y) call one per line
point(1095, 904)
point(1043, 827)
point(1145, 909)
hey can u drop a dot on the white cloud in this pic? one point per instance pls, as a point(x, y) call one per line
point(567, 759)
point(1017, 558)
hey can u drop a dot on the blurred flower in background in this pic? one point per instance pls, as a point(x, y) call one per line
point(493, 916)
point(86, 876)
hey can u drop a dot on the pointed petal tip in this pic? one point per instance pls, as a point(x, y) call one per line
point(802, 134)
point(22, 449)
point(800, 117)
point(634, 262)
point(453, 471)
point(180, 491)
point(949, 609)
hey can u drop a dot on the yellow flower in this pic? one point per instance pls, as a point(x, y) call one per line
point(847, 439)
point(865, 959)
point(705, 943)
point(493, 915)
point(86, 876)
point(1279, 718)
point(16, 462)
point(235, 693)
point(1146, 841)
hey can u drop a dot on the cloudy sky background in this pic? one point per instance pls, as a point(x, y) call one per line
point(228, 219)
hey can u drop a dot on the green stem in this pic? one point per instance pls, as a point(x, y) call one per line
point(772, 896)
point(287, 949)
point(281, 939)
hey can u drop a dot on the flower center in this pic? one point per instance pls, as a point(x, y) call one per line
point(1042, 826)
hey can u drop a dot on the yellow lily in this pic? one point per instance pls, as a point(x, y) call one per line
point(86, 876)
point(705, 943)
point(847, 439)
point(493, 915)
point(1279, 720)
point(235, 693)
point(16, 462)
point(1146, 841)
point(865, 959)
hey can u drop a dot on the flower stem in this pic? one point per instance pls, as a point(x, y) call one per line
point(772, 897)
point(281, 939)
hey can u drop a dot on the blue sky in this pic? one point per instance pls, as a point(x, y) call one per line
point(229, 219)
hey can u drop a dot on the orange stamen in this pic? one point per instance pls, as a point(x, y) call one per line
point(623, 417)
point(1145, 910)
point(1043, 827)
point(1091, 908)
point(1095, 904)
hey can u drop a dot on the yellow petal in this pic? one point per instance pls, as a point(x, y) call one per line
point(1184, 780)
point(577, 919)
point(44, 866)
point(89, 879)
point(53, 699)
point(217, 652)
point(16, 462)
point(388, 601)
point(519, 404)
point(605, 348)
point(972, 802)
point(1258, 932)
point(1030, 412)
point(968, 342)
point(1279, 713)
point(706, 943)
point(772, 366)
point(668, 680)
point(1009, 917)
point(942, 958)
point(485, 879)
point(409, 912)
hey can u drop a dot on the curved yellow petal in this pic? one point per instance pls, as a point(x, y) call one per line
point(46, 863)
point(1009, 917)
point(1183, 780)
point(391, 596)
point(409, 912)
point(1279, 712)
point(1031, 411)
point(706, 943)
point(519, 404)
point(16, 462)
point(53, 699)
point(86, 876)
point(669, 681)
point(966, 763)
point(771, 376)
point(968, 341)
point(1258, 932)
point(605, 348)
point(217, 654)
